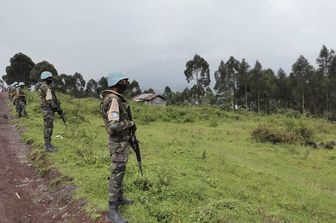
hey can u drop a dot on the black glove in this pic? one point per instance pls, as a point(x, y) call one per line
point(130, 125)
point(59, 111)
point(134, 127)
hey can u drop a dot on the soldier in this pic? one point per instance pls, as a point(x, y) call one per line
point(115, 114)
point(20, 100)
point(49, 105)
point(12, 92)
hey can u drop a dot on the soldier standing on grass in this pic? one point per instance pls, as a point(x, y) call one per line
point(49, 105)
point(20, 100)
point(119, 127)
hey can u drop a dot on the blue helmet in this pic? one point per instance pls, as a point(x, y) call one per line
point(45, 75)
point(21, 84)
point(114, 78)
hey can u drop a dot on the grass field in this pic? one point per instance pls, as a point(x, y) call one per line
point(201, 164)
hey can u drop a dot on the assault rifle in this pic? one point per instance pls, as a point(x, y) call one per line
point(58, 109)
point(135, 143)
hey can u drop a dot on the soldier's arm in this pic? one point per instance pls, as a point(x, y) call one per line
point(114, 123)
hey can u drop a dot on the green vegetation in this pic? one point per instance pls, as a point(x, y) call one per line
point(201, 164)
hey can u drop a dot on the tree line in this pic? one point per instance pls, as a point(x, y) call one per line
point(237, 85)
point(22, 68)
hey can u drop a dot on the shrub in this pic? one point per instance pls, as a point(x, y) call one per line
point(304, 132)
point(274, 136)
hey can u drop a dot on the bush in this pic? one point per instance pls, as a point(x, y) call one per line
point(304, 132)
point(274, 136)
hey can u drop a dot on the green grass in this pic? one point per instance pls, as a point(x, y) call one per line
point(200, 164)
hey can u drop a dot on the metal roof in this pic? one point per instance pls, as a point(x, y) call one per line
point(146, 97)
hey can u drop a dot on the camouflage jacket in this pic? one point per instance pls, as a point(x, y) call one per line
point(20, 95)
point(114, 111)
point(47, 98)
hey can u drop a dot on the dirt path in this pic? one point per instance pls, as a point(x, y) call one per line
point(24, 197)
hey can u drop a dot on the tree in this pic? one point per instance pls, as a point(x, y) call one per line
point(167, 92)
point(79, 85)
point(133, 89)
point(73, 84)
point(59, 83)
point(268, 87)
point(227, 80)
point(209, 96)
point(19, 69)
point(301, 69)
point(185, 96)
point(324, 61)
point(220, 85)
point(283, 91)
point(243, 80)
point(91, 88)
point(315, 93)
point(102, 85)
point(69, 85)
point(198, 69)
point(332, 82)
point(256, 83)
point(149, 91)
point(35, 73)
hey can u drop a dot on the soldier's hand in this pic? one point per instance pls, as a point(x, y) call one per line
point(130, 125)
point(134, 128)
point(59, 111)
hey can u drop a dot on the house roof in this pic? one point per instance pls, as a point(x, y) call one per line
point(146, 97)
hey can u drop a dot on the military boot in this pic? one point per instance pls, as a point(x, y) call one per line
point(50, 148)
point(125, 201)
point(114, 215)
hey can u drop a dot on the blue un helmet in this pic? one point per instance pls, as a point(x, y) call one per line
point(45, 75)
point(21, 84)
point(114, 78)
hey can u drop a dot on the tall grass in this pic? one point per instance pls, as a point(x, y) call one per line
point(201, 164)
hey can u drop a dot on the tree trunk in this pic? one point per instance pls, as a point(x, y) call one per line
point(258, 98)
point(245, 91)
point(302, 101)
point(198, 88)
point(327, 104)
point(234, 100)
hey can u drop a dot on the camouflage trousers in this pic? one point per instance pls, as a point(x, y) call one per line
point(119, 156)
point(48, 119)
point(21, 108)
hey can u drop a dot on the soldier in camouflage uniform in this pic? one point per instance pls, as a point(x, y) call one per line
point(20, 100)
point(12, 92)
point(119, 127)
point(48, 104)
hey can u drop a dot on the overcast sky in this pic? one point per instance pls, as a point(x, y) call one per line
point(151, 40)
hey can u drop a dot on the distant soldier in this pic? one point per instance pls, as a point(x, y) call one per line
point(9, 90)
point(20, 100)
point(12, 92)
point(115, 112)
point(49, 105)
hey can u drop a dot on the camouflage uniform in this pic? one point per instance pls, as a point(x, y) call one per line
point(48, 108)
point(20, 101)
point(118, 124)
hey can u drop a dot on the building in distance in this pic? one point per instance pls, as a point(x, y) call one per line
point(150, 99)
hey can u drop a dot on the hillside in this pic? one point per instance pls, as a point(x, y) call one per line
point(201, 164)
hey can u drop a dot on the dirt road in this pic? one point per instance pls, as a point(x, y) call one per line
point(24, 197)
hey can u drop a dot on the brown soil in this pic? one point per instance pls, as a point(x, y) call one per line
point(24, 196)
